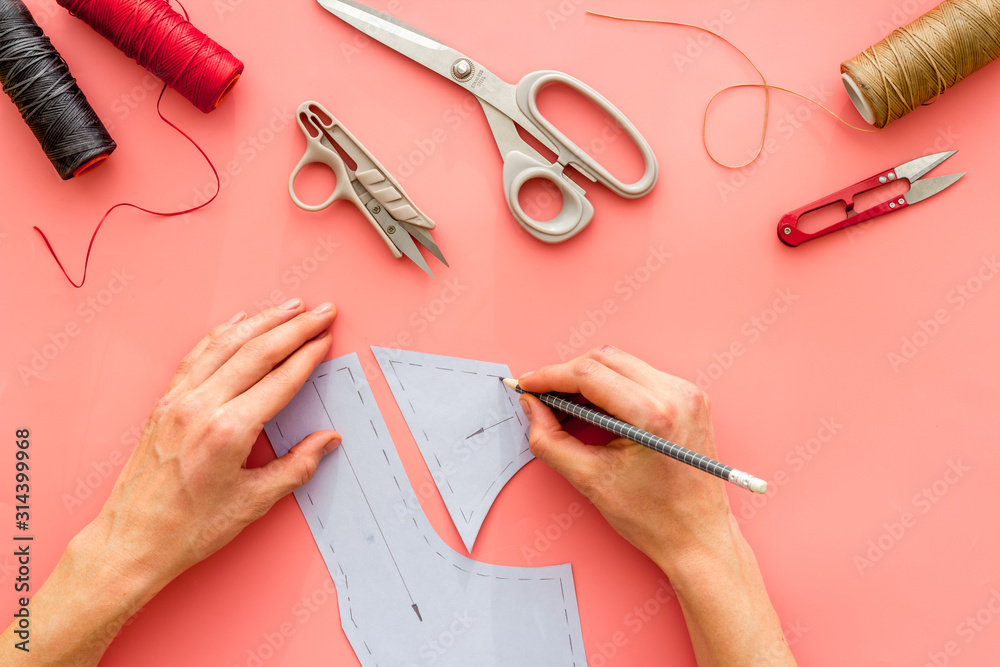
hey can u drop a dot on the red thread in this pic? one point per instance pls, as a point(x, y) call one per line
point(86, 261)
point(166, 44)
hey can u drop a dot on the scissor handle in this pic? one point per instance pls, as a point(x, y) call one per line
point(791, 235)
point(317, 152)
point(519, 168)
point(576, 211)
point(569, 153)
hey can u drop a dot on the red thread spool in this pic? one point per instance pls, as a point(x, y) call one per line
point(166, 44)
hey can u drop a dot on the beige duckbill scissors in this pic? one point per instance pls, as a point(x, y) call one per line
point(364, 182)
point(507, 107)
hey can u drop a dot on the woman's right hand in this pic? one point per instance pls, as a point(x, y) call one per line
point(677, 515)
point(667, 509)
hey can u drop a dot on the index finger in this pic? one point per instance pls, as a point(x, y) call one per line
point(224, 340)
point(269, 395)
point(608, 389)
point(636, 369)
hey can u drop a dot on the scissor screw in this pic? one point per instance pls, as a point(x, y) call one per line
point(391, 229)
point(901, 201)
point(881, 179)
point(376, 210)
point(892, 204)
point(462, 69)
point(787, 230)
point(891, 175)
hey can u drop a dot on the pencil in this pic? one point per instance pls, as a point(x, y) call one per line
point(654, 442)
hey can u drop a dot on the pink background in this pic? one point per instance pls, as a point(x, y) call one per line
point(863, 568)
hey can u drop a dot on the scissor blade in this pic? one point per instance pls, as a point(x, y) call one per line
point(406, 39)
point(928, 187)
point(914, 169)
point(424, 238)
point(435, 56)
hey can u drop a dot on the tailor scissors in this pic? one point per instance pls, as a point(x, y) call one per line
point(364, 182)
point(506, 105)
point(920, 189)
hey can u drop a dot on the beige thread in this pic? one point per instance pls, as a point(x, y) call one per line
point(763, 84)
point(915, 64)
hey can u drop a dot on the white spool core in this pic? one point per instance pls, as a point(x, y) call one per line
point(860, 103)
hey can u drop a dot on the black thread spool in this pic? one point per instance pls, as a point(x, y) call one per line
point(39, 82)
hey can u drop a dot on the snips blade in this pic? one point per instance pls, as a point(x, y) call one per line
point(928, 187)
point(916, 168)
point(423, 236)
point(398, 234)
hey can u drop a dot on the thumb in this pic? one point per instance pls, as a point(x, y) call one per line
point(290, 471)
point(577, 462)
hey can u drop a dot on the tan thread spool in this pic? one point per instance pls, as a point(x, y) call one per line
point(918, 62)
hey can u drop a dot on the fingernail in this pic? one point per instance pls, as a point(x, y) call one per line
point(323, 308)
point(526, 375)
point(322, 335)
point(526, 407)
point(238, 317)
point(291, 304)
point(331, 445)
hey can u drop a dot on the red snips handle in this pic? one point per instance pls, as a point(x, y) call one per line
point(790, 234)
